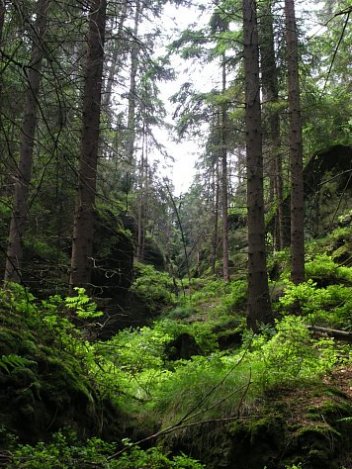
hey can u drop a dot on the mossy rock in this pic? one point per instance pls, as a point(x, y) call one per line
point(113, 251)
point(153, 254)
point(44, 387)
point(184, 346)
point(229, 333)
point(342, 255)
point(230, 340)
point(303, 424)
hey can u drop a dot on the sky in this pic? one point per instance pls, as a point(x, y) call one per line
point(204, 77)
point(186, 152)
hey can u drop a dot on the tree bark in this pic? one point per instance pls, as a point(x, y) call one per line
point(131, 118)
point(82, 242)
point(143, 185)
point(259, 305)
point(271, 96)
point(115, 62)
point(29, 125)
point(296, 147)
point(224, 181)
point(2, 21)
point(215, 239)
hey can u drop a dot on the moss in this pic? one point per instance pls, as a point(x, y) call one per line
point(292, 425)
point(315, 431)
point(48, 387)
point(10, 341)
point(341, 254)
point(331, 408)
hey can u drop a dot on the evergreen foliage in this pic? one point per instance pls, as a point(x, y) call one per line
point(162, 351)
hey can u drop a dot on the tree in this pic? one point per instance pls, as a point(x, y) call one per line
point(296, 148)
point(224, 179)
point(259, 305)
point(131, 121)
point(2, 20)
point(219, 24)
point(116, 54)
point(215, 210)
point(82, 242)
point(270, 88)
point(29, 124)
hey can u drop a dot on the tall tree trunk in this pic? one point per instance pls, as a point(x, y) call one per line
point(224, 180)
point(24, 170)
point(271, 95)
point(296, 147)
point(131, 118)
point(140, 229)
point(259, 305)
point(143, 177)
point(215, 239)
point(82, 242)
point(115, 62)
point(2, 21)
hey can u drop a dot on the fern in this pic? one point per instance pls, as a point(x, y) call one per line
point(347, 420)
point(84, 307)
point(12, 361)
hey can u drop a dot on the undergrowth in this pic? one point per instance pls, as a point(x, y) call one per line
point(65, 452)
point(134, 372)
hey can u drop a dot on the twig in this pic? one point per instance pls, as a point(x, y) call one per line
point(171, 429)
point(181, 229)
point(348, 12)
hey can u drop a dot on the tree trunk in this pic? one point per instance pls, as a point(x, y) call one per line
point(215, 239)
point(224, 185)
point(143, 182)
point(271, 96)
point(259, 305)
point(82, 242)
point(296, 148)
point(24, 170)
point(115, 62)
point(131, 118)
point(2, 21)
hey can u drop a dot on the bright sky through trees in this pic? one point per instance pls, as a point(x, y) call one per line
point(204, 77)
point(185, 152)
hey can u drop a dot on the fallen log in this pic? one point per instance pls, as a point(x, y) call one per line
point(335, 333)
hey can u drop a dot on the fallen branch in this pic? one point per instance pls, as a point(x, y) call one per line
point(174, 429)
point(180, 425)
point(336, 333)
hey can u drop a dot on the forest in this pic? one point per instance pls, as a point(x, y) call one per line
point(142, 327)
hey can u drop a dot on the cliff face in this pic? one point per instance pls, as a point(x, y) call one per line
point(327, 190)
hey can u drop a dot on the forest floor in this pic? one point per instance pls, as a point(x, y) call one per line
point(193, 386)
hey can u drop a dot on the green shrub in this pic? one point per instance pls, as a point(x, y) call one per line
point(140, 349)
point(154, 458)
point(291, 354)
point(331, 306)
point(323, 268)
point(206, 289)
point(156, 289)
point(237, 296)
point(279, 261)
point(66, 452)
point(136, 350)
point(222, 385)
point(17, 299)
point(83, 306)
point(180, 312)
